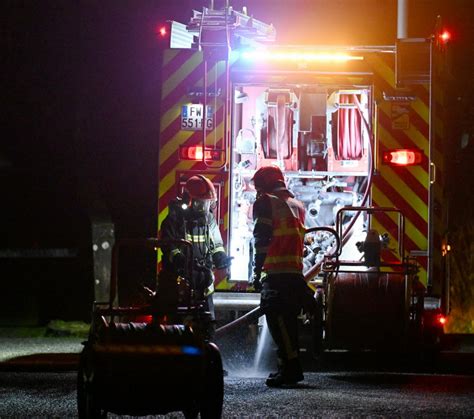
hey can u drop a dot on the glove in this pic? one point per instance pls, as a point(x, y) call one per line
point(221, 260)
point(179, 263)
point(254, 281)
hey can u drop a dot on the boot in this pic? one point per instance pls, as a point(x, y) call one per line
point(289, 375)
point(280, 364)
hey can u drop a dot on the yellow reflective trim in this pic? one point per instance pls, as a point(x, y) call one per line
point(415, 135)
point(173, 253)
point(171, 114)
point(168, 55)
point(209, 289)
point(422, 110)
point(409, 196)
point(162, 215)
point(218, 249)
point(168, 181)
point(381, 68)
point(280, 259)
point(190, 65)
point(290, 231)
point(196, 238)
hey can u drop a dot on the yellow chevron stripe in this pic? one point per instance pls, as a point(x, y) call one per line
point(179, 75)
point(415, 135)
point(388, 74)
point(411, 230)
point(175, 111)
point(421, 109)
point(167, 181)
point(407, 193)
point(162, 215)
point(172, 145)
point(168, 55)
point(185, 70)
point(381, 68)
point(170, 115)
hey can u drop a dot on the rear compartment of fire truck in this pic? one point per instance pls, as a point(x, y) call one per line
point(319, 136)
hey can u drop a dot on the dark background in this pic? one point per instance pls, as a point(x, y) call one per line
point(80, 115)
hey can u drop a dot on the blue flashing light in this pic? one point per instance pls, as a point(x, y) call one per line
point(191, 350)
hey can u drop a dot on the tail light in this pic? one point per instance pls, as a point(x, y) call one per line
point(196, 153)
point(402, 157)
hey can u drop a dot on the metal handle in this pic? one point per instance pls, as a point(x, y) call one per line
point(432, 173)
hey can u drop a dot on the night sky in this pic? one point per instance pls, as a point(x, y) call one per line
point(81, 87)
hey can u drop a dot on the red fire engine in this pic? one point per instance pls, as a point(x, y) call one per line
point(356, 131)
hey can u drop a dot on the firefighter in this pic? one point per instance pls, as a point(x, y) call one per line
point(277, 269)
point(191, 218)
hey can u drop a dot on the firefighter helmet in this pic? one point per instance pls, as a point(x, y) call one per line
point(200, 187)
point(268, 178)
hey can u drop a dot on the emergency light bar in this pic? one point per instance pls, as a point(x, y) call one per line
point(195, 153)
point(266, 55)
point(402, 157)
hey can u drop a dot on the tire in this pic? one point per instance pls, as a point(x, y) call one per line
point(213, 397)
point(87, 403)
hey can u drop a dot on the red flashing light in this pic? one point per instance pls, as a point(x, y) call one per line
point(440, 319)
point(402, 157)
point(196, 153)
point(163, 30)
point(444, 37)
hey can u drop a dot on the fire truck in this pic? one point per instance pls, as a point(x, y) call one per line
point(357, 133)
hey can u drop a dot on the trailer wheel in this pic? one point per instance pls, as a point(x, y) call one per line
point(213, 397)
point(87, 404)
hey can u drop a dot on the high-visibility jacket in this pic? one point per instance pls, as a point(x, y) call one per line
point(279, 233)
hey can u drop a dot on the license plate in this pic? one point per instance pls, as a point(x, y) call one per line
point(192, 117)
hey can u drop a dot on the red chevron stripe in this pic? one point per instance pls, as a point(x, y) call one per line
point(400, 135)
point(419, 123)
point(170, 131)
point(392, 228)
point(176, 62)
point(402, 205)
point(182, 87)
point(422, 93)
